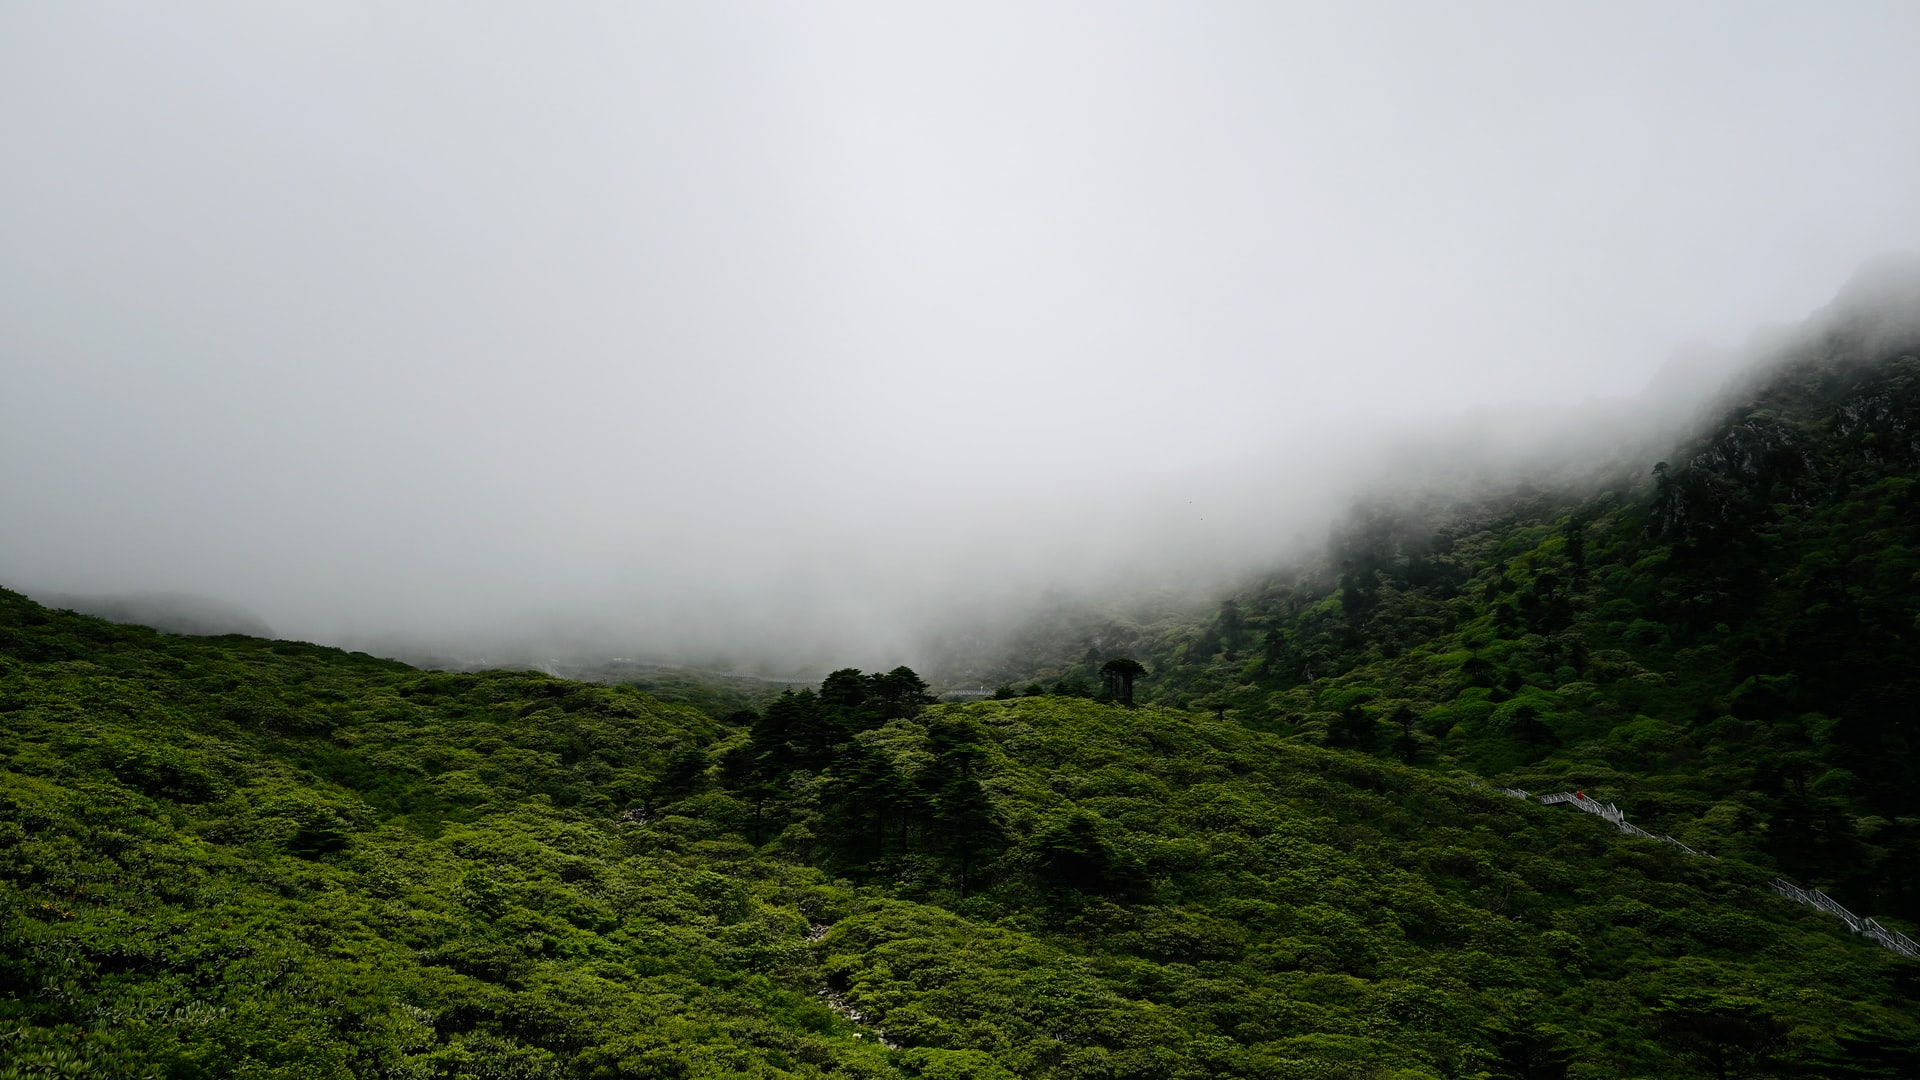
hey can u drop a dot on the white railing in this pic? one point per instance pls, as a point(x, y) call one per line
point(1611, 813)
point(1892, 939)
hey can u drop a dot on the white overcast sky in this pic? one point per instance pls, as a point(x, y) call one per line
point(419, 317)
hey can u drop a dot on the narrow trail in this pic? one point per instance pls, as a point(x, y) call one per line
point(1814, 898)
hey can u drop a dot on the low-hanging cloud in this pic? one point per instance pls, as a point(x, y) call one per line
point(744, 331)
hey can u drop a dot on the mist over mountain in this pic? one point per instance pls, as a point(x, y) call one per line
point(959, 542)
point(955, 584)
point(170, 613)
point(775, 338)
point(1717, 625)
point(1476, 464)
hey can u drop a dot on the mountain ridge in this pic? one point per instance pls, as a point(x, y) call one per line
point(1728, 635)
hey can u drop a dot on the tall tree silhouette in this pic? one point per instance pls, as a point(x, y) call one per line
point(1118, 674)
point(964, 828)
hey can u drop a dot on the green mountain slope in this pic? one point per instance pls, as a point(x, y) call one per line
point(1726, 642)
point(233, 857)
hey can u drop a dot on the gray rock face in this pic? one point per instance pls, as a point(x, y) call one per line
point(1842, 386)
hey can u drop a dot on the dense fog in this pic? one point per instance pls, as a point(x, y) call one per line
point(780, 337)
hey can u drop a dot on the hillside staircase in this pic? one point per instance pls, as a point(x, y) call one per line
point(1814, 898)
point(1892, 939)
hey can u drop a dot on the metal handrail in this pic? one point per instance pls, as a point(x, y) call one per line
point(1892, 939)
point(1610, 812)
point(1866, 927)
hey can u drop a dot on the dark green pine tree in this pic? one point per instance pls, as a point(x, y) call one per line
point(1353, 729)
point(898, 694)
point(1117, 676)
point(1231, 625)
point(845, 697)
point(964, 829)
point(794, 733)
point(866, 804)
point(1276, 656)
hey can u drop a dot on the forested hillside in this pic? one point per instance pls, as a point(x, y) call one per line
point(235, 857)
point(1726, 641)
point(232, 857)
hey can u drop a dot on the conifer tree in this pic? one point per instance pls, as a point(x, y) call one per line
point(1117, 675)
